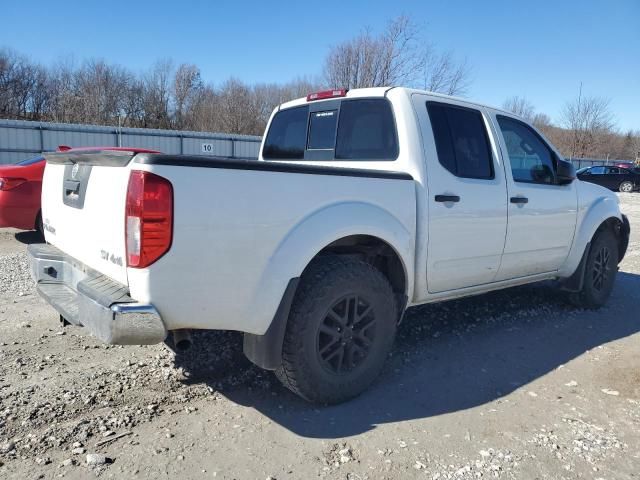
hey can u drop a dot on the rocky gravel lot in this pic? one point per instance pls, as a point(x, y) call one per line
point(513, 384)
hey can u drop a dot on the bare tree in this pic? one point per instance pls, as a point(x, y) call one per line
point(203, 112)
point(18, 82)
point(541, 121)
point(237, 109)
point(157, 95)
point(100, 90)
point(589, 119)
point(631, 146)
point(397, 56)
point(443, 74)
point(269, 96)
point(186, 84)
point(520, 106)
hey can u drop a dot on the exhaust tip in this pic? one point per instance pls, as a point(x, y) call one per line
point(182, 340)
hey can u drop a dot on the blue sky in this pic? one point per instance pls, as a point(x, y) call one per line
point(539, 49)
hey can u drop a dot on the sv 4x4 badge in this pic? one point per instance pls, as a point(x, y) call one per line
point(110, 257)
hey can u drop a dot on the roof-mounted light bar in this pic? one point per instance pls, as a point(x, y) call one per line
point(342, 92)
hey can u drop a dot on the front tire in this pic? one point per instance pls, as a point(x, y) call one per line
point(339, 332)
point(626, 187)
point(600, 271)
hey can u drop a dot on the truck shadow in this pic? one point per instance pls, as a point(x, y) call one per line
point(29, 237)
point(447, 357)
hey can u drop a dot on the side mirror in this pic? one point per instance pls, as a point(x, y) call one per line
point(565, 172)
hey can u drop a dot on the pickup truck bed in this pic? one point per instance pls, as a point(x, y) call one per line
point(216, 225)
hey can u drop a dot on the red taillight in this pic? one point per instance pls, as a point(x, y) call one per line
point(148, 218)
point(8, 183)
point(342, 92)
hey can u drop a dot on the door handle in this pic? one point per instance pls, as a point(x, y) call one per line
point(447, 198)
point(519, 200)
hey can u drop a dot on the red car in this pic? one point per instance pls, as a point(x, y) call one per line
point(21, 185)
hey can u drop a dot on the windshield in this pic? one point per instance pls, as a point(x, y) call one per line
point(31, 161)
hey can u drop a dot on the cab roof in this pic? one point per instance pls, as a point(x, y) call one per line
point(382, 91)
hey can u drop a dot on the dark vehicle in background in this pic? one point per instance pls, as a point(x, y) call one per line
point(614, 178)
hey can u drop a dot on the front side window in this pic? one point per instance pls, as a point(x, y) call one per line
point(598, 170)
point(461, 140)
point(530, 158)
point(287, 134)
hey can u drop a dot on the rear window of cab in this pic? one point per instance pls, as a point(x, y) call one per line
point(358, 129)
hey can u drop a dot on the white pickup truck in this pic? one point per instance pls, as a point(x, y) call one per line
point(362, 203)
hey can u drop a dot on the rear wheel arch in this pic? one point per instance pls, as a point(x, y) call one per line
point(266, 350)
point(375, 251)
point(319, 230)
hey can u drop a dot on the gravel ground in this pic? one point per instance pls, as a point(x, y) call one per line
point(512, 384)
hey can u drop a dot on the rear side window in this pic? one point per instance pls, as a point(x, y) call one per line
point(461, 140)
point(366, 131)
point(287, 134)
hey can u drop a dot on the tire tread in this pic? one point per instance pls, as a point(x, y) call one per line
point(312, 290)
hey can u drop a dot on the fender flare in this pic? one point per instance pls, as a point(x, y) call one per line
point(598, 212)
point(277, 286)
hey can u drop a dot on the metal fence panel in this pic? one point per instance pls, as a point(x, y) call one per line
point(53, 138)
point(164, 144)
point(247, 149)
point(23, 139)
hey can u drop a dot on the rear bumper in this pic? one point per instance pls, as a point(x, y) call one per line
point(87, 298)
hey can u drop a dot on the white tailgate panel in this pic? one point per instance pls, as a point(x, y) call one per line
point(94, 234)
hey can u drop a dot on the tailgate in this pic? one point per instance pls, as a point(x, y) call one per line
point(83, 208)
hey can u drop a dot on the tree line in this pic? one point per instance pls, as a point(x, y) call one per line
point(175, 96)
point(586, 128)
point(166, 96)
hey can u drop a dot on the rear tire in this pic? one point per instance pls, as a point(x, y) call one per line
point(339, 332)
point(600, 271)
point(626, 187)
